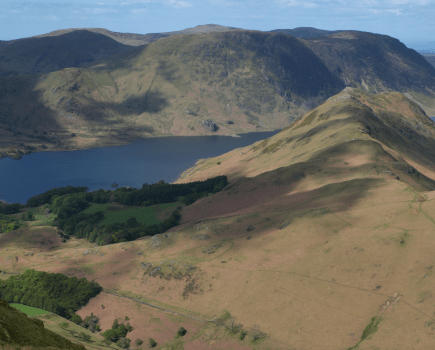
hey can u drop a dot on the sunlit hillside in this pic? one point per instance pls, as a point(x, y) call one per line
point(322, 240)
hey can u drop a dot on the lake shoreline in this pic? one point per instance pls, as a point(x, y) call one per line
point(118, 142)
point(144, 160)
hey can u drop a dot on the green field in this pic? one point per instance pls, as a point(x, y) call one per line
point(96, 207)
point(144, 215)
point(29, 310)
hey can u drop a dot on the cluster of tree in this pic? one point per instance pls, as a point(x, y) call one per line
point(168, 193)
point(53, 292)
point(91, 323)
point(118, 334)
point(8, 223)
point(69, 202)
point(10, 208)
point(87, 226)
point(46, 197)
point(28, 216)
point(131, 234)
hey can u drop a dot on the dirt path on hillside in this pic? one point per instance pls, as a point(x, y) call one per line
point(160, 308)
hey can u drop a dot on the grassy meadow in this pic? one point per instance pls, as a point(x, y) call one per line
point(29, 310)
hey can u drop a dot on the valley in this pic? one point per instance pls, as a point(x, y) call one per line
point(322, 239)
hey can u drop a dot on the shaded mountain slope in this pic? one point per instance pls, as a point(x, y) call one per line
point(379, 61)
point(51, 53)
point(77, 47)
point(17, 330)
point(430, 59)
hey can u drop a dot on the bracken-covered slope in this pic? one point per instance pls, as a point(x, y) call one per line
point(200, 84)
point(18, 331)
point(322, 240)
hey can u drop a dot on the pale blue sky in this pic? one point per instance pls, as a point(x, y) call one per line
point(406, 20)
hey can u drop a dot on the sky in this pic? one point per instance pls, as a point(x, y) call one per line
point(412, 22)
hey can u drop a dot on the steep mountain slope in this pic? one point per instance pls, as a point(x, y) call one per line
point(18, 331)
point(54, 52)
point(77, 47)
point(377, 63)
point(430, 59)
point(322, 240)
point(198, 84)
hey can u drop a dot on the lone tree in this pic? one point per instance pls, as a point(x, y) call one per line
point(152, 342)
point(181, 332)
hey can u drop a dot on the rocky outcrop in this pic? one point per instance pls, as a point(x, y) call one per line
point(208, 123)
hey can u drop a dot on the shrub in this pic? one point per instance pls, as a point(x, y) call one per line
point(243, 334)
point(123, 343)
point(84, 336)
point(138, 342)
point(181, 332)
point(91, 323)
point(218, 163)
point(152, 342)
point(76, 319)
point(115, 324)
point(106, 342)
point(110, 335)
point(121, 331)
point(129, 328)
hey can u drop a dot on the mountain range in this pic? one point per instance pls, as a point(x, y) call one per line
point(95, 88)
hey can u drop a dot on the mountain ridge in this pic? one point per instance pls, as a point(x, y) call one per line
point(323, 228)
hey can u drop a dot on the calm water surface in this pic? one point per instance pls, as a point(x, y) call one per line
point(146, 160)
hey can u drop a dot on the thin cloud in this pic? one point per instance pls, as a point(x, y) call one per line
point(99, 10)
point(295, 3)
point(133, 2)
point(138, 11)
point(396, 11)
point(51, 18)
point(178, 3)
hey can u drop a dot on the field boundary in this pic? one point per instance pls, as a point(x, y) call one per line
point(158, 307)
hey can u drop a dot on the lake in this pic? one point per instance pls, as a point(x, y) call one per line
point(142, 161)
